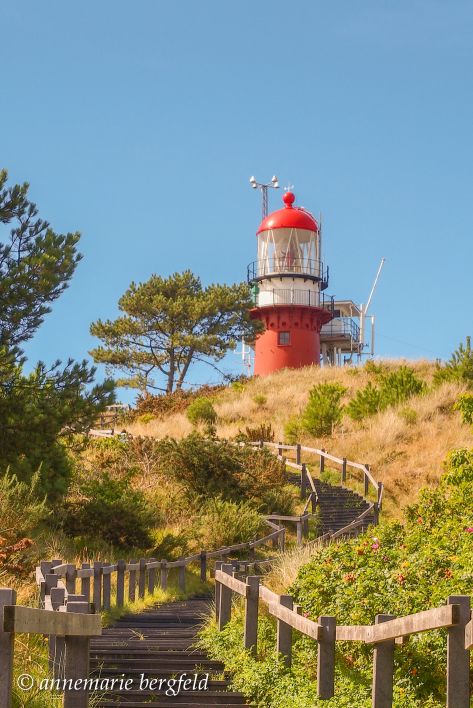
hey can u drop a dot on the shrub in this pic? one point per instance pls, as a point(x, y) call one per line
point(202, 411)
point(400, 385)
point(109, 509)
point(465, 406)
point(260, 400)
point(324, 409)
point(293, 430)
point(366, 402)
point(224, 523)
point(217, 468)
point(21, 512)
point(459, 368)
point(261, 432)
point(146, 418)
point(393, 388)
point(176, 402)
point(401, 569)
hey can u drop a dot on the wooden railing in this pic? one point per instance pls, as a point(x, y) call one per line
point(68, 630)
point(383, 635)
point(366, 479)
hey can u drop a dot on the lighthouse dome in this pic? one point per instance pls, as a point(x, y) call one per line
point(290, 217)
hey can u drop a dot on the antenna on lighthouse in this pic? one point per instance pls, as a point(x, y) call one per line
point(364, 311)
point(274, 184)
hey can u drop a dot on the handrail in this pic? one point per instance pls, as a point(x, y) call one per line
point(383, 634)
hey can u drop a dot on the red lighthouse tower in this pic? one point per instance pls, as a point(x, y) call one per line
point(288, 280)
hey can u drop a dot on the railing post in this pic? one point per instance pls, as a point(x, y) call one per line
point(132, 583)
point(203, 566)
point(280, 449)
point(225, 610)
point(77, 662)
point(85, 583)
point(251, 613)
point(322, 461)
point(284, 632)
point(97, 585)
point(344, 470)
point(218, 586)
point(107, 588)
point(299, 532)
point(303, 482)
point(458, 658)
point(164, 575)
point(151, 577)
point(282, 539)
point(142, 578)
point(7, 597)
point(71, 574)
point(376, 513)
point(366, 480)
point(121, 567)
point(57, 644)
point(383, 670)
point(326, 658)
point(298, 454)
point(261, 444)
point(181, 578)
point(380, 494)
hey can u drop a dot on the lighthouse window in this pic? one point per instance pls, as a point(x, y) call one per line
point(284, 338)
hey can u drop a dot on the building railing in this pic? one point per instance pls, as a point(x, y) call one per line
point(294, 296)
point(286, 265)
point(344, 327)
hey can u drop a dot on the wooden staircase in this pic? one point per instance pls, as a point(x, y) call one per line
point(158, 643)
point(338, 507)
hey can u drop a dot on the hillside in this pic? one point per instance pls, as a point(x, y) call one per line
point(405, 445)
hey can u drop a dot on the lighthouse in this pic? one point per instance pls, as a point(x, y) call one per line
point(288, 280)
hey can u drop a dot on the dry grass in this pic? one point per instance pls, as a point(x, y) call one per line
point(404, 454)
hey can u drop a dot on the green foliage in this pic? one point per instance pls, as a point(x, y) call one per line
point(324, 410)
point(109, 509)
point(146, 418)
point(20, 509)
point(400, 570)
point(224, 523)
point(465, 406)
point(260, 400)
point(42, 409)
point(293, 430)
point(36, 265)
point(201, 410)
point(392, 388)
point(459, 368)
point(216, 468)
point(396, 569)
point(366, 402)
point(40, 412)
point(170, 323)
point(400, 385)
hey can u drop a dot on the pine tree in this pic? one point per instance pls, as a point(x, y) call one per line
point(40, 411)
point(169, 323)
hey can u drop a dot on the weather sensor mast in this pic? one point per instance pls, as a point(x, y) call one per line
point(274, 184)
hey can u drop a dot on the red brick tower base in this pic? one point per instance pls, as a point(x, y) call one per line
point(291, 338)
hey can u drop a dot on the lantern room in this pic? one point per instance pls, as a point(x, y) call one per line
point(288, 279)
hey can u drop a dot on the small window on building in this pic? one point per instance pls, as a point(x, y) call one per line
point(284, 338)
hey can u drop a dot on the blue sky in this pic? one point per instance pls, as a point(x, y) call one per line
point(139, 124)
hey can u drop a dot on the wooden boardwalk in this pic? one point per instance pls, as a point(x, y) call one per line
point(159, 644)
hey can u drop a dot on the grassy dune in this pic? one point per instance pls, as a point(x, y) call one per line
point(406, 451)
